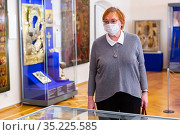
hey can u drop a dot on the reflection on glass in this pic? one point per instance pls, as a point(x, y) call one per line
point(70, 113)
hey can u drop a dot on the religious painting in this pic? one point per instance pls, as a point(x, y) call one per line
point(176, 18)
point(2, 4)
point(68, 33)
point(4, 61)
point(82, 26)
point(33, 34)
point(49, 18)
point(2, 20)
point(149, 33)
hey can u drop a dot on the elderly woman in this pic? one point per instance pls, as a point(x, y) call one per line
point(117, 71)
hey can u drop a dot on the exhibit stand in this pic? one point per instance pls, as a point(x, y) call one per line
point(153, 61)
point(48, 49)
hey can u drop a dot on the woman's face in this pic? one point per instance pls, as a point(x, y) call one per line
point(112, 18)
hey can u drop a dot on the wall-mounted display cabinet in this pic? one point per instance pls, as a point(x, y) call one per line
point(48, 45)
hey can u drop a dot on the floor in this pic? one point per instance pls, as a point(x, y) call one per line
point(158, 98)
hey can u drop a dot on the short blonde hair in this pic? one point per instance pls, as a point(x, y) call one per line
point(120, 14)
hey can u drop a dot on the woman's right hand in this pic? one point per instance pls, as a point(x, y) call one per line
point(91, 103)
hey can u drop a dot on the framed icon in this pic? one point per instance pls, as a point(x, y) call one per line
point(4, 58)
point(49, 18)
point(149, 33)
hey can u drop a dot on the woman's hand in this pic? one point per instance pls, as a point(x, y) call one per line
point(144, 100)
point(91, 103)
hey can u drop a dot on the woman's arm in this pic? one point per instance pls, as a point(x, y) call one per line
point(144, 98)
point(143, 77)
point(91, 81)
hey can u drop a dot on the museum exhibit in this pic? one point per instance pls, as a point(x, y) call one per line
point(4, 59)
point(44, 54)
point(72, 59)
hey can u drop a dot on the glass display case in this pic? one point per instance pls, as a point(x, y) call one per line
point(174, 36)
point(55, 112)
point(48, 50)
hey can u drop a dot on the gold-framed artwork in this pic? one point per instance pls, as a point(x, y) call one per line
point(149, 33)
point(4, 57)
point(33, 33)
point(49, 18)
point(83, 30)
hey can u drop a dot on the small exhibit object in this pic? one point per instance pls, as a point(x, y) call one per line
point(62, 66)
point(41, 77)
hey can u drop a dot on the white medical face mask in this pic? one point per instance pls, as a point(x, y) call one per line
point(112, 29)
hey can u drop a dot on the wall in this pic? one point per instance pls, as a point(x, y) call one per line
point(152, 10)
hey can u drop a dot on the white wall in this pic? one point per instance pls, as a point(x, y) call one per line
point(14, 95)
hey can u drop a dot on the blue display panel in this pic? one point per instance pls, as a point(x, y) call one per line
point(40, 2)
point(153, 61)
point(40, 66)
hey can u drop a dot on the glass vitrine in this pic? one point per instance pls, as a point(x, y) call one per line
point(55, 112)
point(48, 50)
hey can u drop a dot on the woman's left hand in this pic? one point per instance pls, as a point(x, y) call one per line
point(144, 100)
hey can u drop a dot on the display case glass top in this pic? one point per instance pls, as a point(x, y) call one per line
point(55, 112)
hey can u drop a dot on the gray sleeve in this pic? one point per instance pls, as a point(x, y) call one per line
point(142, 69)
point(92, 72)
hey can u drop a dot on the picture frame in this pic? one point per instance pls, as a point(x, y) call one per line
point(4, 55)
point(49, 18)
point(83, 30)
point(149, 33)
